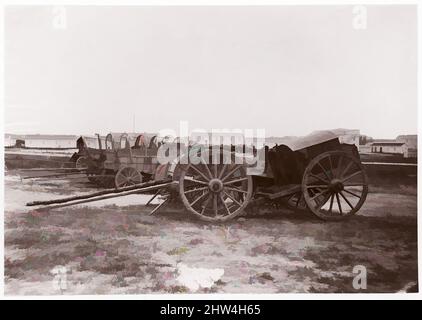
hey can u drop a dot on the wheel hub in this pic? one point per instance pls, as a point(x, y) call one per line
point(215, 185)
point(336, 185)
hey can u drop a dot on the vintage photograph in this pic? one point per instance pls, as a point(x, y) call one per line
point(210, 149)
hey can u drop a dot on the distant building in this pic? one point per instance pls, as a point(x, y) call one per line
point(50, 141)
point(405, 145)
point(9, 140)
point(411, 140)
point(389, 146)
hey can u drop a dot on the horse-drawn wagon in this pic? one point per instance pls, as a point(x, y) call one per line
point(318, 173)
point(131, 161)
point(121, 159)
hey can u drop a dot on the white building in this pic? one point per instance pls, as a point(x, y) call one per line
point(389, 147)
point(50, 141)
point(406, 145)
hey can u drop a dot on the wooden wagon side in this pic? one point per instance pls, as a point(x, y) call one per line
point(131, 163)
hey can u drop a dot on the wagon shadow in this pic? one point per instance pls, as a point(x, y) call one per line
point(183, 215)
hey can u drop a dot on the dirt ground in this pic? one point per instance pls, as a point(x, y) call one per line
point(115, 247)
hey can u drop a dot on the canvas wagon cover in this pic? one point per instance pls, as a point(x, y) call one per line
point(315, 138)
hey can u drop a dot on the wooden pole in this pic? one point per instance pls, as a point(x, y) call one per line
point(39, 159)
point(54, 175)
point(136, 187)
point(107, 196)
point(159, 206)
point(53, 169)
point(82, 175)
point(153, 197)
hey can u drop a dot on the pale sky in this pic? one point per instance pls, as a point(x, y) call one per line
point(290, 70)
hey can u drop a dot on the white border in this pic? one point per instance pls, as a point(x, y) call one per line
point(286, 296)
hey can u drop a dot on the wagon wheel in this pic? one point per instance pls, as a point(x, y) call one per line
point(215, 192)
point(82, 163)
point(296, 201)
point(127, 176)
point(334, 185)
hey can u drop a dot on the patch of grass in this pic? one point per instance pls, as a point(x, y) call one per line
point(178, 251)
point(177, 289)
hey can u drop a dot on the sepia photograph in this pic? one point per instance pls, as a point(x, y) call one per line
point(210, 150)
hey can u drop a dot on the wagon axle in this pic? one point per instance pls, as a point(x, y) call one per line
point(336, 185)
point(216, 185)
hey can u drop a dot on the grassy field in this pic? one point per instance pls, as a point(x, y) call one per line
point(115, 247)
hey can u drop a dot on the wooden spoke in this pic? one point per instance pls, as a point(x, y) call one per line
point(319, 178)
point(346, 169)
point(224, 203)
point(339, 204)
point(231, 172)
point(331, 167)
point(134, 177)
point(215, 167)
point(199, 172)
point(206, 166)
point(323, 170)
point(351, 176)
point(331, 203)
point(196, 181)
point(339, 166)
point(236, 181)
point(206, 204)
point(298, 199)
point(324, 186)
point(319, 194)
point(295, 201)
point(352, 193)
point(195, 190)
point(236, 190)
point(347, 200)
point(199, 198)
point(215, 205)
point(357, 184)
point(324, 201)
point(231, 198)
point(222, 171)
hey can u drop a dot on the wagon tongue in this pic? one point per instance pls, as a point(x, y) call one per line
point(104, 194)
